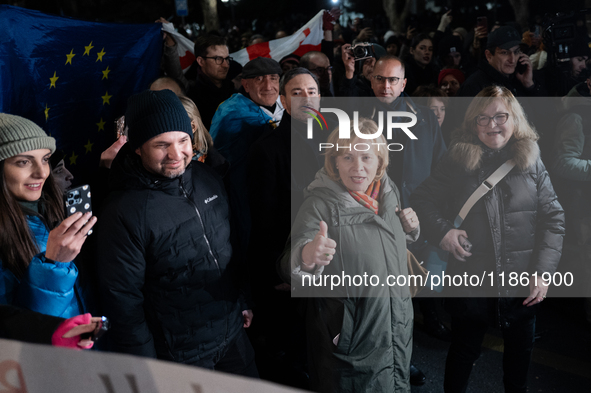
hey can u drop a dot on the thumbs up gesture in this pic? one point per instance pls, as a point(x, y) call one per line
point(319, 251)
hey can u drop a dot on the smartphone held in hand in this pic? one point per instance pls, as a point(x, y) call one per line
point(78, 200)
point(465, 243)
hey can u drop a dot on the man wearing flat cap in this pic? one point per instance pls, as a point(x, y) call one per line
point(503, 57)
point(167, 278)
point(237, 124)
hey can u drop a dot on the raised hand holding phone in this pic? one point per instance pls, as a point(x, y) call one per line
point(65, 241)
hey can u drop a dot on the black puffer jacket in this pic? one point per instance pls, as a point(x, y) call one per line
point(517, 227)
point(164, 263)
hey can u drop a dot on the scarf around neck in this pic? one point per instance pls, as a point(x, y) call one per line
point(369, 198)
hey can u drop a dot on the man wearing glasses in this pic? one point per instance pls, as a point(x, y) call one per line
point(505, 65)
point(319, 64)
point(210, 87)
point(412, 163)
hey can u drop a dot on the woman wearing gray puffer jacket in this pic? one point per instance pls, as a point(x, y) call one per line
point(516, 229)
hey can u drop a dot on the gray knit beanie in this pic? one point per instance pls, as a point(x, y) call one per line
point(18, 135)
point(152, 113)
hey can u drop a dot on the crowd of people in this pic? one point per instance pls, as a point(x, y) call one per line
point(221, 205)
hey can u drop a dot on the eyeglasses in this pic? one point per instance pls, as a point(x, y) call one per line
point(393, 80)
point(321, 70)
point(499, 119)
point(219, 59)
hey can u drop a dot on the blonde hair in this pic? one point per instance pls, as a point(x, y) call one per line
point(201, 138)
point(522, 129)
point(366, 126)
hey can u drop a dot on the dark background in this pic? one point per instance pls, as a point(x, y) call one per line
point(287, 14)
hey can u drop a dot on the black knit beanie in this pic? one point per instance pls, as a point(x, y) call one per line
point(18, 135)
point(152, 113)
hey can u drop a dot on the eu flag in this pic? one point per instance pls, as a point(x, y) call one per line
point(73, 77)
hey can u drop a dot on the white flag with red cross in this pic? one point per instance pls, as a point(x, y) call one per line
point(306, 39)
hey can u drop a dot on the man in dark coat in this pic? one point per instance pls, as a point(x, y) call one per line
point(275, 188)
point(167, 281)
point(411, 165)
point(503, 57)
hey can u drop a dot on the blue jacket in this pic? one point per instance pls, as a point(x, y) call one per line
point(47, 287)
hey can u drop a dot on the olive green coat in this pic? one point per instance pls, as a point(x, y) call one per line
point(374, 322)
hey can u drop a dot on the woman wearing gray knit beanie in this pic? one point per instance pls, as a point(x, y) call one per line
point(36, 254)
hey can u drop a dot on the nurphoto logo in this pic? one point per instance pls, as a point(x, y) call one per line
point(393, 121)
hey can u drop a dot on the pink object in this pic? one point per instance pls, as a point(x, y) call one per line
point(57, 338)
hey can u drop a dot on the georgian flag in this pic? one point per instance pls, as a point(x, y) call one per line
point(306, 39)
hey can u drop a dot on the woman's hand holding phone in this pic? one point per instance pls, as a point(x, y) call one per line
point(65, 241)
point(455, 242)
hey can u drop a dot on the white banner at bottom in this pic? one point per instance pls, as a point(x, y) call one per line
point(31, 368)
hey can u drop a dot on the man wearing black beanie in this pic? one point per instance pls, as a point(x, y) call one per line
point(166, 280)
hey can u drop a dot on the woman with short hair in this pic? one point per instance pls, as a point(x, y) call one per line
point(359, 334)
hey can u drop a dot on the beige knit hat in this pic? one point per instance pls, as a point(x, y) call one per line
point(18, 135)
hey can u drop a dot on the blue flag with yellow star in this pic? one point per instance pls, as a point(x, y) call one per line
point(73, 77)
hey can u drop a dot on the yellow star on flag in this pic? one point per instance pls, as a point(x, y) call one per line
point(106, 98)
point(101, 125)
point(88, 147)
point(53, 80)
point(106, 73)
point(87, 49)
point(72, 54)
point(73, 158)
point(100, 55)
point(46, 112)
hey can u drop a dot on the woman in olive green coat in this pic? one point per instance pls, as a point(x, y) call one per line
point(350, 233)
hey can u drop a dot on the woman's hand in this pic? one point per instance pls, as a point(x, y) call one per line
point(319, 251)
point(408, 219)
point(445, 21)
point(451, 243)
point(537, 293)
point(168, 40)
point(480, 32)
point(348, 60)
point(109, 155)
point(247, 316)
point(65, 241)
point(68, 332)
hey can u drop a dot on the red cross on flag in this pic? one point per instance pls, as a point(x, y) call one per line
point(306, 39)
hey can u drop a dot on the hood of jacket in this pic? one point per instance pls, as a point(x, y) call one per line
point(468, 151)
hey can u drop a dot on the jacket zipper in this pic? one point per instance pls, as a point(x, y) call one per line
point(502, 258)
point(182, 187)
